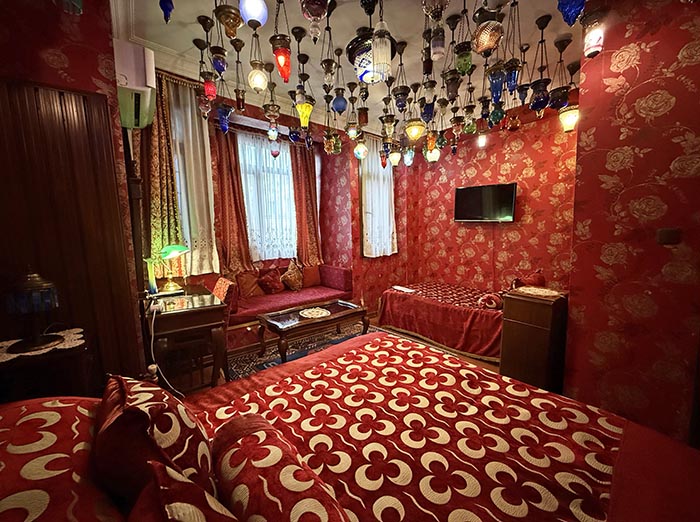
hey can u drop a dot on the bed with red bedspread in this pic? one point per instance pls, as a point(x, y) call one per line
point(449, 315)
point(376, 428)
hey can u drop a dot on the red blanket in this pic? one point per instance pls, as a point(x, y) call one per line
point(405, 432)
point(445, 314)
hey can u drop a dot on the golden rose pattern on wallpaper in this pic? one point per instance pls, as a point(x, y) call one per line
point(341, 228)
point(633, 334)
point(541, 158)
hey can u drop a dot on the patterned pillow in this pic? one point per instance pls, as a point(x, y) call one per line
point(248, 285)
point(293, 278)
point(492, 301)
point(261, 475)
point(138, 422)
point(45, 447)
point(312, 276)
point(271, 282)
point(171, 496)
point(224, 290)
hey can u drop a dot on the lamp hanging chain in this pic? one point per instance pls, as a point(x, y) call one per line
point(381, 10)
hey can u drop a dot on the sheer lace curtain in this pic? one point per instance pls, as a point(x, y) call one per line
point(268, 190)
point(378, 223)
point(192, 162)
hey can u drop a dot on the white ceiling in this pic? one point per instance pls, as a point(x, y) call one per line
point(141, 21)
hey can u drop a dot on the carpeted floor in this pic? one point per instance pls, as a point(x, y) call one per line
point(243, 364)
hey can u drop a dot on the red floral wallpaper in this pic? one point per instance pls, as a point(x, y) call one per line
point(541, 158)
point(341, 227)
point(634, 304)
point(41, 43)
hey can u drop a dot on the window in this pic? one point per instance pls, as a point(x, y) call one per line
point(378, 223)
point(268, 190)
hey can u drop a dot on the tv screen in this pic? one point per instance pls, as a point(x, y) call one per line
point(486, 203)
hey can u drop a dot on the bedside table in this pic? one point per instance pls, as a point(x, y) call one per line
point(534, 337)
point(62, 369)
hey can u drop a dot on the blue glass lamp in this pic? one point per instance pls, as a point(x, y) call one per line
point(571, 10)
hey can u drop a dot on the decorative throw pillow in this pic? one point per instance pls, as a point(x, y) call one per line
point(248, 285)
point(172, 496)
point(293, 278)
point(492, 301)
point(137, 422)
point(312, 276)
point(253, 457)
point(45, 474)
point(224, 290)
point(271, 282)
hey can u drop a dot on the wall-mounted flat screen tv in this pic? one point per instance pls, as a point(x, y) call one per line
point(494, 203)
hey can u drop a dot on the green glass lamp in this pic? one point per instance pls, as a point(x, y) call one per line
point(168, 253)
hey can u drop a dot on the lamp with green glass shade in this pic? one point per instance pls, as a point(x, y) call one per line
point(168, 253)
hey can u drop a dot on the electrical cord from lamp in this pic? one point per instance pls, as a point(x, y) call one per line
point(154, 308)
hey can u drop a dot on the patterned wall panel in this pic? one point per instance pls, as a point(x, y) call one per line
point(634, 320)
point(541, 158)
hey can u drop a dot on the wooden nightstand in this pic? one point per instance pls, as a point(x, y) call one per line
point(534, 337)
point(59, 370)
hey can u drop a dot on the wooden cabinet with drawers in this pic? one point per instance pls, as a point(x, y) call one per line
point(534, 337)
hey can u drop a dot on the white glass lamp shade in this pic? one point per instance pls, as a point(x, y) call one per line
point(593, 41)
point(568, 117)
point(395, 158)
point(381, 51)
point(253, 10)
point(437, 44)
point(361, 151)
point(481, 141)
point(257, 79)
point(432, 155)
point(273, 131)
point(408, 156)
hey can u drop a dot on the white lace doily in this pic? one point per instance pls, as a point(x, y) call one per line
point(71, 339)
point(536, 291)
point(314, 313)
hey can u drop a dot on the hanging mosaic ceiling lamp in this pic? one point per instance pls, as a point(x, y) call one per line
point(489, 31)
point(281, 50)
point(434, 8)
point(218, 59)
point(230, 17)
point(381, 46)
point(224, 112)
point(209, 85)
point(568, 117)
point(540, 95)
point(314, 11)
point(253, 10)
point(496, 75)
point(359, 54)
point(415, 129)
point(571, 10)
point(463, 52)
point(559, 97)
point(360, 151)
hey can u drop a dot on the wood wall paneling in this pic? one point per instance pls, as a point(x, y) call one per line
point(60, 214)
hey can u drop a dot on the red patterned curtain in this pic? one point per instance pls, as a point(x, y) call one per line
point(304, 177)
point(153, 154)
point(229, 205)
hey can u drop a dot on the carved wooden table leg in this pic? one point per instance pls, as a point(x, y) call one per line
point(365, 324)
point(282, 347)
point(220, 359)
point(261, 340)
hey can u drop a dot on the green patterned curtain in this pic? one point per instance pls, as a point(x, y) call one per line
point(162, 218)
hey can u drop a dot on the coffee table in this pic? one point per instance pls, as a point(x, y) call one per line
point(290, 324)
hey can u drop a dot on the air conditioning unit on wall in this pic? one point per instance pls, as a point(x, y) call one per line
point(136, 83)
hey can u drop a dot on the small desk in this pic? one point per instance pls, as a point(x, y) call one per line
point(193, 318)
point(289, 323)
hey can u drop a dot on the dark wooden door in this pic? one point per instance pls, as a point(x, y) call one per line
point(59, 214)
